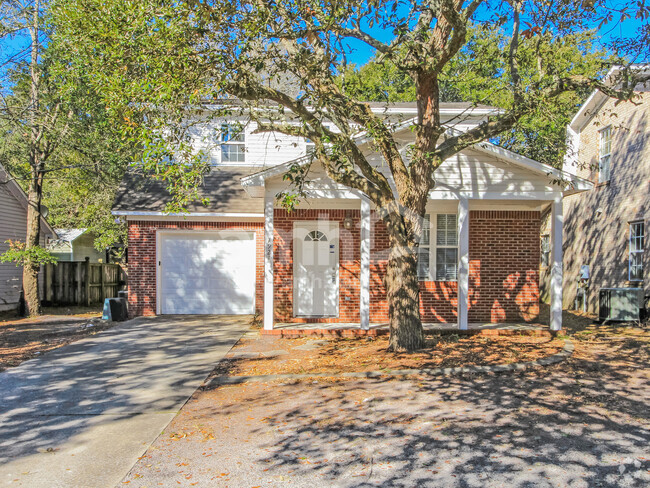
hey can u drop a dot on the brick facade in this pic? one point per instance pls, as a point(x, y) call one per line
point(142, 259)
point(504, 273)
point(504, 257)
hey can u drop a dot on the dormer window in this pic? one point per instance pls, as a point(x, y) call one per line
point(233, 143)
point(604, 154)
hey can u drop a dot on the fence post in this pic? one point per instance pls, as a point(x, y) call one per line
point(45, 278)
point(79, 287)
point(102, 270)
point(87, 282)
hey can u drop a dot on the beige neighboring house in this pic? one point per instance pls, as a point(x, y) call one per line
point(13, 226)
point(76, 245)
point(605, 228)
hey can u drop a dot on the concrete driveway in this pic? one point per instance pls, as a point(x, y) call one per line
point(82, 415)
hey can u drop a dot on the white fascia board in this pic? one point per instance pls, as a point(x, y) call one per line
point(129, 213)
point(493, 195)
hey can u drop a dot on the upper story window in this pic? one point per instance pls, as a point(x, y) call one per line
point(637, 244)
point(442, 250)
point(233, 143)
point(604, 154)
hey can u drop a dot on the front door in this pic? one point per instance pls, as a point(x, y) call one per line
point(316, 269)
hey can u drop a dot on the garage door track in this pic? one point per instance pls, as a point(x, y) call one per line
point(82, 414)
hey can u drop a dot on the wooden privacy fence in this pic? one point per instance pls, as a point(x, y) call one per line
point(81, 282)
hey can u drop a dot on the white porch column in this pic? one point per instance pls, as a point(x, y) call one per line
point(463, 262)
point(268, 261)
point(364, 273)
point(557, 220)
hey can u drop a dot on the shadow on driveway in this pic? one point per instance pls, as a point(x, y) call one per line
point(92, 407)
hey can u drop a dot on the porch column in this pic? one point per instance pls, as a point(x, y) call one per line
point(463, 262)
point(268, 261)
point(364, 272)
point(557, 220)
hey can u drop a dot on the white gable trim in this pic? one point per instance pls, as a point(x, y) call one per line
point(597, 98)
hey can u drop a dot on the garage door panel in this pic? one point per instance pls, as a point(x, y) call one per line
point(207, 273)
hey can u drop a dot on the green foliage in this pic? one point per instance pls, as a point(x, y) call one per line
point(87, 151)
point(476, 75)
point(21, 256)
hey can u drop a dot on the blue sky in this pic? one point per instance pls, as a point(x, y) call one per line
point(360, 53)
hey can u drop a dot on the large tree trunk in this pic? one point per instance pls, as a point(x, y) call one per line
point(31, 292)
point(403, 291)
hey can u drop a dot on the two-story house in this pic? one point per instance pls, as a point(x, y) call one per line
point(326, 261)
point(605, 228)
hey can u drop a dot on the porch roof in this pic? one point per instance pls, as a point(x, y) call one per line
point(570, 183)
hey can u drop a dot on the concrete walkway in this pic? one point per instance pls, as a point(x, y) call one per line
point(82, 415)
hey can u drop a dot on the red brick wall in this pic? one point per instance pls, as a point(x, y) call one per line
point(504, 258)
point(349, 254)
point(142, 259)
point(504, 263)
point(504, 255)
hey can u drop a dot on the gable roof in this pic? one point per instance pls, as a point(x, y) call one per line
point(19, 194)
point(572, 182)
point(69, 235)
point(139, 194)
point(598, 98)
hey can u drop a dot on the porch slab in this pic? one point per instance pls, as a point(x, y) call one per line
point(355, 330)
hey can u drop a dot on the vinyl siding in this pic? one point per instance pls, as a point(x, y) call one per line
point(13, 225)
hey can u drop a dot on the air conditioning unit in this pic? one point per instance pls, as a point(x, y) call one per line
point(621, 304)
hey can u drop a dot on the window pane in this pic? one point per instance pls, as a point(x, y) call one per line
point(233, 153)
point(426, 231)
point(232, 133)
point(603, 169)
point(636, 266)
point(423, 263)
point(446, 232)
point(446, 264)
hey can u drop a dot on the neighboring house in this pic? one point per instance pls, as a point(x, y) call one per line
point(13, 226)
point(605, 228)
point(326, 261)
point(76, 245)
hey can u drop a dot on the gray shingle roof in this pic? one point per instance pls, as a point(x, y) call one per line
point(138, 193)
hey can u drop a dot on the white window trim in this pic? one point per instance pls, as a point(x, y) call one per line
point(232, 142)
point(606, 155)
point(630, 252)
point(433, 247)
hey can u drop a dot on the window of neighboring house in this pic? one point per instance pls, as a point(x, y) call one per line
point(546, 250)
point(637, 244)
point(233, 143)
point(605, 154)
point(442, 250)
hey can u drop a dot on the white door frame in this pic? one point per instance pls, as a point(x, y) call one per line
point(329, 226)
point(162, 232)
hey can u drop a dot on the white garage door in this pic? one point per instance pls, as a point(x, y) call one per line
point(207, 272)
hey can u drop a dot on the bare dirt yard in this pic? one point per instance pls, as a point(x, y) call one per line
point(275, 355)
point(584, 422)
point(25, 338)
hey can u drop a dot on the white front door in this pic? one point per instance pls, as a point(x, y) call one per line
point(206, 272)
point(316, 269)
